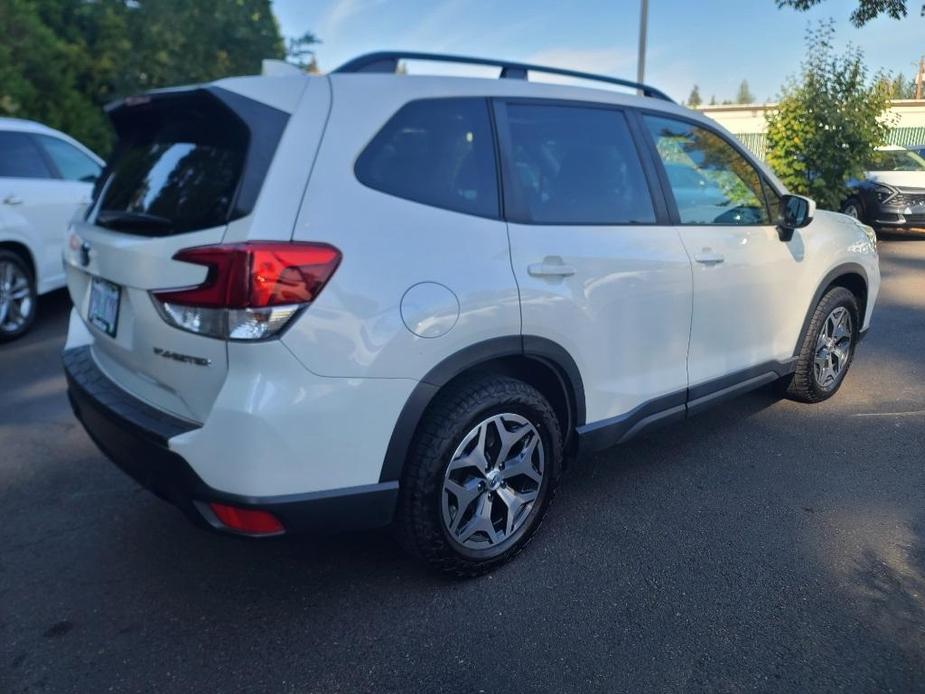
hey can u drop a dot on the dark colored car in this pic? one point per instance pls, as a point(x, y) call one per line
point(892, 195)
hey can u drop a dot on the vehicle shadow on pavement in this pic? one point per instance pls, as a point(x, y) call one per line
point(764, 545)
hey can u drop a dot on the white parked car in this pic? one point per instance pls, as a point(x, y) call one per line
point(317, 303)
point(46, 178)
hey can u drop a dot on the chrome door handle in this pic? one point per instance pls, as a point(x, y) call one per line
point(708, 257)
point(12, 200)
point(548, 269)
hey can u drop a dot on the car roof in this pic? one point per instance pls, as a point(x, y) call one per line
point(23, 125)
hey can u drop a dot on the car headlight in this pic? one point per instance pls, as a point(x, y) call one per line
point(884, 192)
point(870, 234)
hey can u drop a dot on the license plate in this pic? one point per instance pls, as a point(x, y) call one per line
point(104, 305)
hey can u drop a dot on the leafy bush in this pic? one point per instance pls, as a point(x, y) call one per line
point(62, 60)
point(827, 125)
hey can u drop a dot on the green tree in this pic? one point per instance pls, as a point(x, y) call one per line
point(40, 74)
point(744, 95)
point(301, 53)
point(903, 88)
point(61, 60)
point(827, 124)
point(863, 13)
point(694, 99)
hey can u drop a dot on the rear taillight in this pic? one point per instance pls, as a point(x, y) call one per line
point(252, 290)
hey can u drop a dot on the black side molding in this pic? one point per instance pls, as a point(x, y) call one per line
point(675, 407)
point(834, 274)
point(537, 348)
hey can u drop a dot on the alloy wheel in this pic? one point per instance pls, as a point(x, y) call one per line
point(833, 348)
point(16, 302)
point(492, 482)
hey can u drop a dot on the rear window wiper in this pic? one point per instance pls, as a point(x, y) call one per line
point(135, 221)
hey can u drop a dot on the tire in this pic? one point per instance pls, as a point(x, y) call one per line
point(17, 296)
point(812, 382)
point(466, 418)
point(853, 208)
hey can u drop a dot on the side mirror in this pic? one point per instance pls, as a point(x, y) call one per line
point(795, 213)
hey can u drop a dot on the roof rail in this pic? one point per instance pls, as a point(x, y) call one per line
point(387, 62)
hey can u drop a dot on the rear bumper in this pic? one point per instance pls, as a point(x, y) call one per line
point(135, 436)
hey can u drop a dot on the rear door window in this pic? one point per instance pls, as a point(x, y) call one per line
point(73, 165)
point(575, 165)
point(437, 152)
point(20, 157)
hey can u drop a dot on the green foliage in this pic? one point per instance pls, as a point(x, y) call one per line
point(301, 53)
point(827, 125)
point(744, 95)
point(694, 99)
point(903, 88)
point(863, 13)
point(62, 60)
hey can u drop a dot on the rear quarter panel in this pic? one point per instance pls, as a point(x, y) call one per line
point(389, 245)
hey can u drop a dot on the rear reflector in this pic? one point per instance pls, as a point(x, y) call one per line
point(245, 520)
point(251, 291)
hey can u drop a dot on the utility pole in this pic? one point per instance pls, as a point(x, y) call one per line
point(643, 26)
point(920, 78)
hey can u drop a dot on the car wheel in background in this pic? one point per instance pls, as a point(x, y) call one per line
point(827, 349)
point(853, 208)
point(482, 471)
point(17, 296)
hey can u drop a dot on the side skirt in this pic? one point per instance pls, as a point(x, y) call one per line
point(675, 407)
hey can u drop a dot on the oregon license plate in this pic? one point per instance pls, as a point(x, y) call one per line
point(104, 305)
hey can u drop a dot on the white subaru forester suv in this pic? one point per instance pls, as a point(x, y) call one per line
point(346, 301)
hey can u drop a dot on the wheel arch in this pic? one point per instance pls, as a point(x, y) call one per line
point(542, 363)
point(23, 251)
point(858, 197)
point(852, 277)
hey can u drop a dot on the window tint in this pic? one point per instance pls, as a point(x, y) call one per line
point(174, 172)
point(712, 183)
point(20, 157)
point(72, 164)
point(438, 152)
point(773, 201)
point(574, 165)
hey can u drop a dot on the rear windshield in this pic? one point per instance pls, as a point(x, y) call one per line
point(176, 168)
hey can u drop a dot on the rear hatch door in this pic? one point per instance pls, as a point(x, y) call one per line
point(187, 163)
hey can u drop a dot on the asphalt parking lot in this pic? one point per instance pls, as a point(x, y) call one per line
point(763, 546)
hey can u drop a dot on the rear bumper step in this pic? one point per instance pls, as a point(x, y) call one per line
point(135, 437)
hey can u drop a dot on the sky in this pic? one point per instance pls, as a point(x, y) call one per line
point(712, 43)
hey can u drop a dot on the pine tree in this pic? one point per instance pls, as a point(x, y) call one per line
point(744, 95)
point(694, 99)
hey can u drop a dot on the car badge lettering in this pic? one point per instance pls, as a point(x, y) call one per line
point(182, 358)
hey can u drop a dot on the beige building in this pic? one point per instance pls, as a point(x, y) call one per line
point(748, 123)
